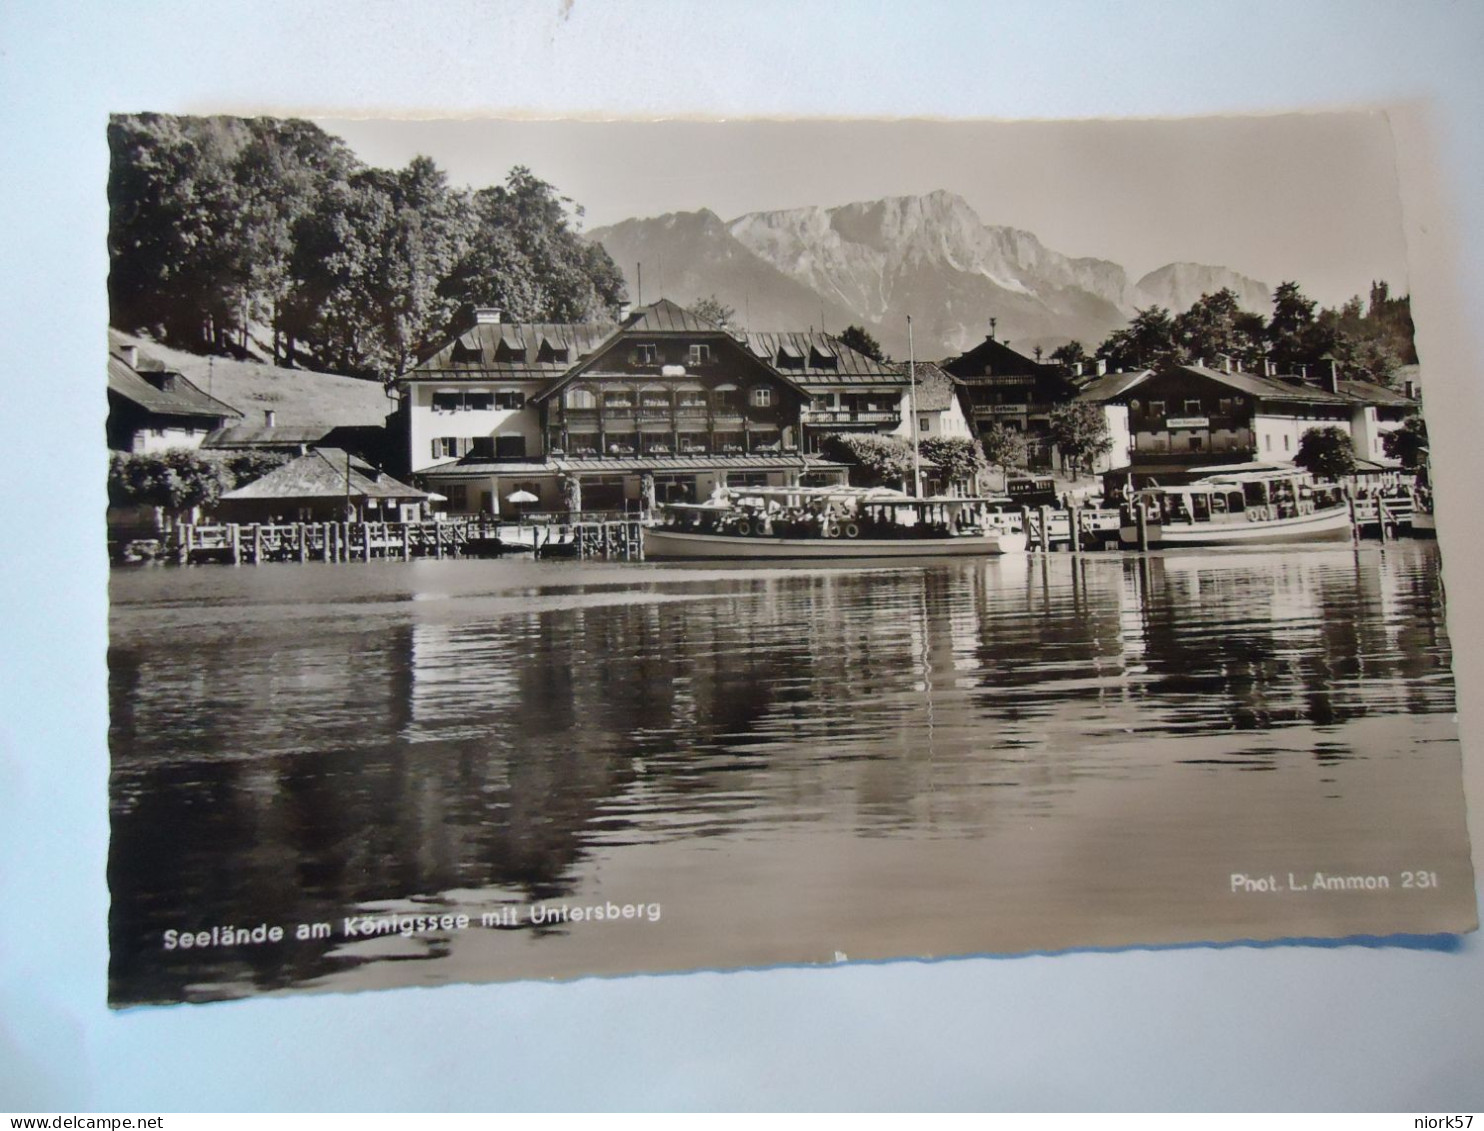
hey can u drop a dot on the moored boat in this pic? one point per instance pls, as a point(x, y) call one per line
point(1239, 508)
point(828, 522)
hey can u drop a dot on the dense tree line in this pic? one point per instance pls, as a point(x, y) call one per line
point(221, 228)
point(1368, 340)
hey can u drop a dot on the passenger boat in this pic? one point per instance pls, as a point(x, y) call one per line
point(828, 522)
point(1239, 508)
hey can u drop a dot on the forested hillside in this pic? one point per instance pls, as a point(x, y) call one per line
point(239, 235)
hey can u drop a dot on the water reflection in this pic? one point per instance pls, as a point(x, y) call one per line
point(295, 743)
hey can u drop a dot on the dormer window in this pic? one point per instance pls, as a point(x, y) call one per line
point(466, 353)
point(700, 353)
point(508, 353)
point(790, 357)
point(550, 353)
point(646, 353)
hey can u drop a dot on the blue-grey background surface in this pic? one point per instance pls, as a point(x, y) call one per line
point(1274, 1027)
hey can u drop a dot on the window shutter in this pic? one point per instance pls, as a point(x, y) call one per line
point(437, 448)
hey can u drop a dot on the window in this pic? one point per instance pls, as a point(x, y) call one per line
point(1285, 441)
point(621, 398)
point(510, 447)
point(700, 353)
point(646, 353)
point(1192, 407)
point(1224, 405)
point(479, 401)
point(924, 424)
point(1134, 404)
point(579, 398)
point(691, 398)
point(1156, 408)
point(724, 399)
point(458, 496)
point(762, 397)
point(509, 399)
point(447, 447)
point(448, 402)
point(482, 447)
point(820, 404)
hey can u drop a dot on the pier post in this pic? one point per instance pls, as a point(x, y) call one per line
point(1074, 527)
point(366, 539)
point(183, 537)
point(1025, 525)
point(1354, 521)
point(1045, 515)
point(406, 542)
point(1381, 517)
point(257, 544)
point(1141, 520)
point(236, 535)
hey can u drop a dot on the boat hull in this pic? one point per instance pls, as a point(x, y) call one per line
point(661, 544)
point(1331, 525)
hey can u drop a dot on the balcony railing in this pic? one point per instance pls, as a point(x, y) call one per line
point(850, 416)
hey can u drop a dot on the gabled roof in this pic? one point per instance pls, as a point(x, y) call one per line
point(1267, 388)
point(1110, 386)
point(666, 317)
point(267, 436)
point(484, 351)
point(321, 474)
point(164, 393)
point(849, 366)
point(1368, 392)
point(936, 390)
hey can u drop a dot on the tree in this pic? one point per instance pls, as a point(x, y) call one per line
point(1295, 338)
point(1069, 356)
point(528, 258)
point(1004, 447)
point(1147, 343)
point(714, 310)
point(1080, 432)
point(176, 481)
point(859, 340)
point(875, 460)
point(1407, 443)
point(1216, 326)
point(958, 460)
point(1326, 453)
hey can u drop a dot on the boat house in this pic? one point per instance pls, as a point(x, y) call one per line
point(324, 485)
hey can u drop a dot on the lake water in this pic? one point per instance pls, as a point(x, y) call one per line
point(771, 765)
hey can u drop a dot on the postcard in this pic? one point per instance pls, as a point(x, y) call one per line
point(552, 549)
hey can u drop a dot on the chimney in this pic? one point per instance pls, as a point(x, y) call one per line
point(1076, 369)
point(1332, 378)
point(1226, 363)
point(1102, 366)
point(624, 310)
point(488, 316)
point(131, 356)
point(270, 418)
point(992, 324)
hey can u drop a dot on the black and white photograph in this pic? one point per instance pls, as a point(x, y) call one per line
point(552, 548)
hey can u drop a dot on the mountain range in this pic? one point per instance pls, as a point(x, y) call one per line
point(874, 262)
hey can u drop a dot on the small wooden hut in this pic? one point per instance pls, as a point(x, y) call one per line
point(324, 485)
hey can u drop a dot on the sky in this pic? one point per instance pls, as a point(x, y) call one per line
point(1309, 197)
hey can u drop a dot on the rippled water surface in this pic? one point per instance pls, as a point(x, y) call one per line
point(771, 765)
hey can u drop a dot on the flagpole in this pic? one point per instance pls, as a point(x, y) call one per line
point(912, 395)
